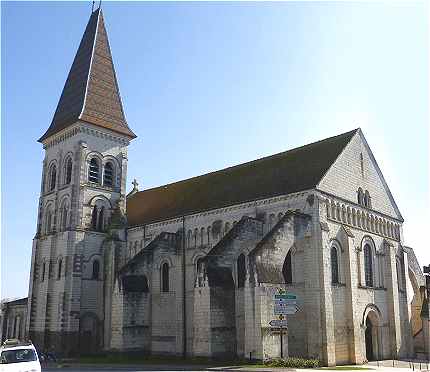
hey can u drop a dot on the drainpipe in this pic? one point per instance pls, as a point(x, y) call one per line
point(184, 288)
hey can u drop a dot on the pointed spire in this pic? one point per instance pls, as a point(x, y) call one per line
point(91, 91)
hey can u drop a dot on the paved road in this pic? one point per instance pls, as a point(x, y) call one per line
point(149, 368)
point(112, 369)
point(385, 366)
point(157, 367)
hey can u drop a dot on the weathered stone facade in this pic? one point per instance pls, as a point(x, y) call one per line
point(191, 268)
point(224, 320)
point(13, 318)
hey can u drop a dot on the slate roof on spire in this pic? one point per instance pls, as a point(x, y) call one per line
point(91, 92)
point(288, 172)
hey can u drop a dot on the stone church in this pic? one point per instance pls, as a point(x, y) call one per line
point(191, 268)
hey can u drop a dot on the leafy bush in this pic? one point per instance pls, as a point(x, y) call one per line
point(293, 363)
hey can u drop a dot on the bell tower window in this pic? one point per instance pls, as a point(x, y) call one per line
point(93, 172)
point(108, 175)
point(52, 177)
point(68, 173)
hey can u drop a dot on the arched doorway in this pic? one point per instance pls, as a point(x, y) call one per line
point(89, 332)
point(371, 324)
point(368, 339)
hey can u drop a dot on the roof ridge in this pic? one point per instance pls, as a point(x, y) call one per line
point(292, 171)
point(246, 163)
point(98, 11)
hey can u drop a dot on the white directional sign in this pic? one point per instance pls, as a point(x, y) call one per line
point(290, 310)
point(285, 304)
point(278, 323)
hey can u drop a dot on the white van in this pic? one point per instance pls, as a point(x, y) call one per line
point(16, 356)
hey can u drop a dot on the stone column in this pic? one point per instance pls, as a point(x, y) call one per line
point(315, 326)
point(352, 281)
point(116, 341)
point(73, 287)
point(123, 179)
point(202, 322)
point(77, 201)
point(30, 303)
point(426, 336)
point(258, 341)
point(393, 300)
point(249, 313)
point(108, 287)
point(407, 329)
point(327, 320)
point(425, 318)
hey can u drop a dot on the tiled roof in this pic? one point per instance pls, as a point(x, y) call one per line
point(292, 171)
point(91, 92)
point(21, 301)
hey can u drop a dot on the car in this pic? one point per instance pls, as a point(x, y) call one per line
point(19, 356)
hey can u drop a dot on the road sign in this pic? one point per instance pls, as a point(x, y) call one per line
point(286, 296)
point(286, 309)
point(278, 323)
point(285, 304)
point(290, 310)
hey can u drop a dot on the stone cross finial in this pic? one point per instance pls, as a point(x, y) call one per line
point(135, 184)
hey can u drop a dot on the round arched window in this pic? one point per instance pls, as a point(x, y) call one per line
point(108, 175)
point(368, 266)
point(68, 171)
point(93, 171)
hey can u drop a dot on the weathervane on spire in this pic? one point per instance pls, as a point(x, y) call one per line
point(135, 184)
point(135, 188)
point(100, 5)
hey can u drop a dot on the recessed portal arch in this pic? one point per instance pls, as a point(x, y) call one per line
point(371, 324)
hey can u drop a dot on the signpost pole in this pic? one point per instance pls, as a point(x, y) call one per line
point(284, 304)
point(282, 344)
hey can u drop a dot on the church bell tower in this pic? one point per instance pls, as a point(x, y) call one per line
point(83, 186)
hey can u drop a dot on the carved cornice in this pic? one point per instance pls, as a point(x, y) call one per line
point(347, 215)
point(88, 130)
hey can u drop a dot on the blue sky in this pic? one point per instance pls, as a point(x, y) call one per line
point(209, 85)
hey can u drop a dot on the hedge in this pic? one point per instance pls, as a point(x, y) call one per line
point(293, 363)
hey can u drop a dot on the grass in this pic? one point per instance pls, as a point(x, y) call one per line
point(137, 358)
point(151, 359)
